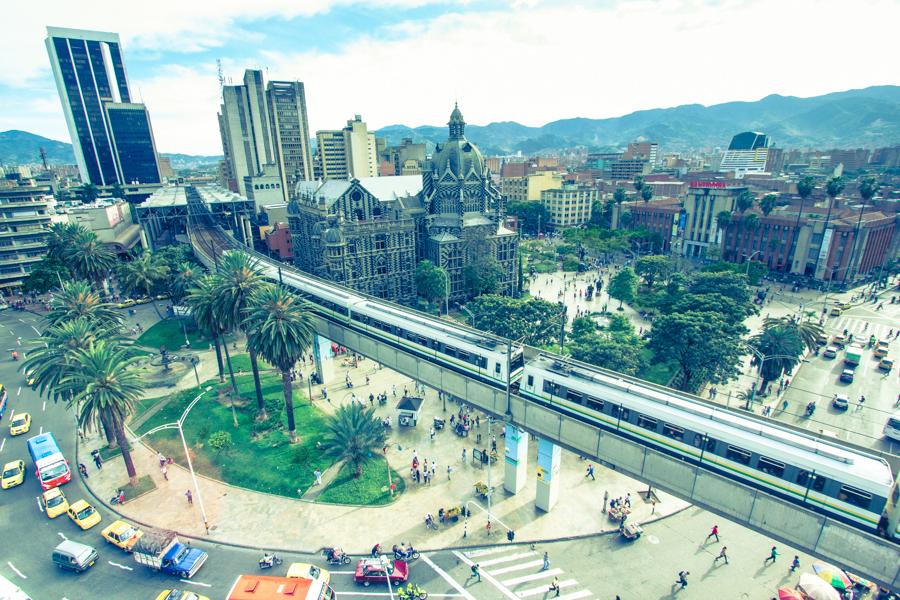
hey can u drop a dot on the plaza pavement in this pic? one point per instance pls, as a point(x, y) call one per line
point(244, 517)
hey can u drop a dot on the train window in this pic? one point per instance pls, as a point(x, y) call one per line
point(551, 388)
point(819, 483)
point(573, 396)
point(802, 477)
point(463, 356)
point(676, 433)
point(594, 403)
point(530, 380)
point(518, 361)
point(772, 467)
point(646, 422)
point(450, 351)
point(481, 362)
point(854, 496)
point(617, 411)
point(738, 455)
point(496, 367)
point(710, 443)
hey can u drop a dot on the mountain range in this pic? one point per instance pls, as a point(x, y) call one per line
point(868, 117)
point(21, 148)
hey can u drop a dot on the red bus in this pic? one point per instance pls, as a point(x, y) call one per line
point(51, 467)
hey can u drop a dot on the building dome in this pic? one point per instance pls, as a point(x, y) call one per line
point(333, 236)
point(457, 152)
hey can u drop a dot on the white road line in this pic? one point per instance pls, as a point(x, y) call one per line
point(2, 443)
point(486, 551)
point(123, 567)
point(453, 583)
point(507, 558)
point(533, 576)
point(18, 572)
point(19, 391)
point(41, 432)
point(21, 320)
point(43, 408)
point(487, 577)
point(519, 567)
point(36, 330)
point(60, 534)
point(543, 589)
point(40, 506)
point(342, 572)
point(576, 595)
point(200, 583)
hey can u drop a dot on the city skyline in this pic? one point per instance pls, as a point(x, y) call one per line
point(496, 58)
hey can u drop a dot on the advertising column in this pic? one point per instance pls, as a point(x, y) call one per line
point(547, 475)
point(516, 459)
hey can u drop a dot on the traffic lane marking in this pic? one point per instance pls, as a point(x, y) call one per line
point(123, 567)
point(36, 330)
point(60, 534)
point(40, 506)
point(200, 583)
point(18, 572)
point(576, 595)
point(543, 589)
point(19, 391)
point(2, 443)
point(533, 576)
point(486, 576)
point(446, 577)
point(394, 595)
point(503, 559)
point(486, 551)
point(519, 567)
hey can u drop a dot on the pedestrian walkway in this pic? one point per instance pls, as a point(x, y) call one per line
point(519, 572)
point(861, 328)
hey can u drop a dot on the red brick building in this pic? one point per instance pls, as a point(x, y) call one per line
point(278, 240)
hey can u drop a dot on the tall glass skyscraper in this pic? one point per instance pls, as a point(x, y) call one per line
point(92, 84)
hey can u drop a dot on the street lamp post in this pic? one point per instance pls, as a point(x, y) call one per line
point(750, 258)
point(194, 362)
point(179, 425)
point(387, 574)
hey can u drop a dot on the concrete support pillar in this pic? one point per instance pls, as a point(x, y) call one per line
point(322, 357)
point(516, 459)
point(547, 475)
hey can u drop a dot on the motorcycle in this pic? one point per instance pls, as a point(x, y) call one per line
point(335, 556)
point(410, 555)
point(269, 561)
point(411, 592)
point(810, 409)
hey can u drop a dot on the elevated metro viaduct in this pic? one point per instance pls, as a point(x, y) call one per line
point(854, 549)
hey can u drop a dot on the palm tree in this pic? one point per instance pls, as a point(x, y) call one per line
point(868, 187)
point(90, 259)
point(781, 348)
point(619, 195)
point(281, 328)
point(104, 385)
point(355, 436)
point(809, 332)
point(638, 184)
point(744, 201)
point(833, 188)
point(201, 299)
point(805, 188)
point(767, 204)
point(61, 241)
point(142, 275)
point(89, 192)
point(77, 299)
point(239, 276)
point(186, 273)
point(646, 193)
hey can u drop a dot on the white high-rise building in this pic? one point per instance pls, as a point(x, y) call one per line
point(747, 153)
point(348, 153)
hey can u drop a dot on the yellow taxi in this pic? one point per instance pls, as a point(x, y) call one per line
point(20, 424)
point(886, 364)
point(179, 595)
point(308, 571)
point(881, 349)
point(54, 502)
point(835, 311)
point(29, 378)
point(122, 535)
point(83, 514)
point(126, 303)
point(13, 474)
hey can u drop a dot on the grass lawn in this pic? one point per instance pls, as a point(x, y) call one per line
point(169, 333)
point(240, 363)
point(371, 488)
point(261, 457)
point(144, 484)
point(656, 371)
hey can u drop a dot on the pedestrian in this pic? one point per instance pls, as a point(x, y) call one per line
point(97, 460)
point(722, 555)
point(367, 380)
point(449, 471)
point(682, 578)
point(478, 421)
point(431, 433)
point(433, 468)
point(464, 455)
point(772, 556)
point(476, 573)
point(546, 562)
point(590, 472)
point(795, 563)
point(83, 470)
point(653, 507)
point(605, 499)
point(318, 475)
point(165, 471)
point(493, 443)
point(160, 458)
point(190, 497)
point(554, 586)
point(714, 533)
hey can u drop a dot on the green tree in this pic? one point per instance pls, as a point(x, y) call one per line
point(805, 188)
point(90, 259)
point(61, 242)
point(768, 203)
point(118, 191)
point(583, 327)
point(638, 184)
point(142, 274)
point(730, 310)
point(781, 348)
point(47, 275)
point(646, 193)
point(77, 299)
point(626, 219)
point(623, 286)
point(104, 383)
point(183, 277)
point(89, 192)
point(239, 277)
point(730, 284)
point(751, 222)
point(355, 435)
point(807, 331)
point(703, 345)
point(744, 201)
point(532, 215)
point(538, 321)
point(868, 187)
point(201, 299)
point(619, 196)
point(281, 329)
point(432, 282)
point(609, 352)
point(482, 277)
point(653, 268)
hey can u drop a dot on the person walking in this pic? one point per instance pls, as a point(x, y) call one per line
point(554, 586)
point(449, 471)
point(83, 470)
point(318, 475)
point(546, 562)
point(161, 459)
point(682, 579)
point(713, 533)
point(772, 556)
point(97, 460)
point(165, 471)
point(476, 573)
point(605, 499)
point(795, 563)
point(722, 555)
point(590, 472)
point(190, 497)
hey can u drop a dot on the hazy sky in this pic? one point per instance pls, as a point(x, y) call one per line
point(406, 61)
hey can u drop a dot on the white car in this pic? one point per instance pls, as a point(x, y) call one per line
point(830, 352)
point(841, 402)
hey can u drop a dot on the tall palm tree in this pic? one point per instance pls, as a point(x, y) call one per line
point(104, 385)
point(833, 188)
point(89, 192)
point(201, 299)
point(808, 331)
point(646, 193)
point(723, 220)
point(767, 204)
point(281, 328)
point(77, 299)
point(868, 187)
point(143, 274)
point(805, 188)
point(90, 259)
point(744, 201)
point(186, 273)
point(781, 348)
point(355, 435)
point(61, 241)
point(240, 276)
point(638, 184)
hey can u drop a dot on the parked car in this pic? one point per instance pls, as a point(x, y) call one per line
point(840, 340)
point(371, 570)
point(831, 352)
point(847, 375)
point(180, 595)
point(840, 402)
point(881, 349)
point(886, 364)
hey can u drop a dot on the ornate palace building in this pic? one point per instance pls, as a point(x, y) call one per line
point(370, 233)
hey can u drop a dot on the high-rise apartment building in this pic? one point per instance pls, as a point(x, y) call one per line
point(748, 152)
point(642, 150)
point(570, 205)
point(24, 227)
point(349, 153)
point(111, 135)
point(265, 125)
point(331, 155)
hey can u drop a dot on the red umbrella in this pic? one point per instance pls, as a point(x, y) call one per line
point(786, 593)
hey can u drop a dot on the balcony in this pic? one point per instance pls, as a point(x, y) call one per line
point(16, 218)
point(18, 259)
point(5, 203)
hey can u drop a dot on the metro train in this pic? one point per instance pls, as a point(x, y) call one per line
point(847, 485)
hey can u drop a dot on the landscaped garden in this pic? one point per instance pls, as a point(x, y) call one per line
point(169, 333)
point(370, 488)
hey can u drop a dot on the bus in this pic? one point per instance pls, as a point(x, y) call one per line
point(51, 467)
point(892, 427)
point(10, 591)
point(260, 587)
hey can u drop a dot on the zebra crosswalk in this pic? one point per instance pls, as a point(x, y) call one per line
point(860, 327)
point(516, 572)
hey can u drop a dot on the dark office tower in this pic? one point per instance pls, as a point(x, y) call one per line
point(133, 147)
point(90, 73)
point(287, 111)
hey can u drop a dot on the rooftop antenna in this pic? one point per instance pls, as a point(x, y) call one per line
point(219, 72)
